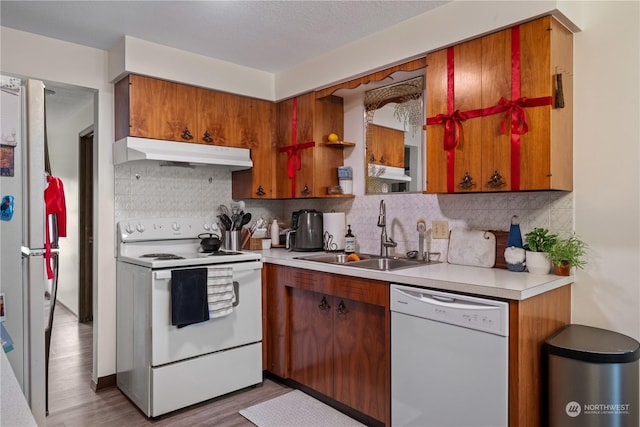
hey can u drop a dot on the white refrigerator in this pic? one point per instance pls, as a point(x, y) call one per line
point(22, 235)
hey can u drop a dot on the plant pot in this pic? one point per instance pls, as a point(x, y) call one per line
point(564, 269)
point(538, 262)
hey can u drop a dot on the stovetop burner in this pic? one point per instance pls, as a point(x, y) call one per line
point(222, 253)
point(161, 256)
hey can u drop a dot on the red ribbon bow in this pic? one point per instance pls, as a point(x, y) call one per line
point(515, 109)
point(451, 127)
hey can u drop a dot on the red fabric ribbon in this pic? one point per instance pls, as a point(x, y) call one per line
point(514, 109)
point(451, 124)
point(293, 150)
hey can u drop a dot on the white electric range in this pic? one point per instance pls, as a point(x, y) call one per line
point(163, 365)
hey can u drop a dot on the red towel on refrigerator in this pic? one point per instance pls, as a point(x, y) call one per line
point(54, 205)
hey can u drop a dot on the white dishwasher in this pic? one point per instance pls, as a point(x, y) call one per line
point(449, 359)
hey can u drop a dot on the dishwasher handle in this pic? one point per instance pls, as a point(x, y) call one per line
point(450, 300)
point(462, 310)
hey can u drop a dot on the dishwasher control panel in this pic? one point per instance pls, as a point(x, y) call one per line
point(461, 310)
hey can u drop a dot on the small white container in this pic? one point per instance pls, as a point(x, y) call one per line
point(275, 233)
point(266, 243)
point(347, 186)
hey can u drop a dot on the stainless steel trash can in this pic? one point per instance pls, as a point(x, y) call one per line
point(592, 378)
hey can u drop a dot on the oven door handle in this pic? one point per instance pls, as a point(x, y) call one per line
point(237, 267)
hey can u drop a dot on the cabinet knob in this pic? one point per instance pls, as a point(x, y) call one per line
point(342, 308)
point(207, 136)
point(260, 191)
point(324, 305)
point(372, 158)
point(467, 182)
point(496, 181)
point(186, 134)
point(382, 160)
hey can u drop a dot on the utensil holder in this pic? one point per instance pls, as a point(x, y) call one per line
point(232, 240)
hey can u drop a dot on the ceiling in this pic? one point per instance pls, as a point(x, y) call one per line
point(266, 35)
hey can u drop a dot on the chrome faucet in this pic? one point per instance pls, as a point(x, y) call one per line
point(385, 241)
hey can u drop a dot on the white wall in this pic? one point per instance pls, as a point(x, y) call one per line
point(606, 129)
point(63, 153)
point(29, 55)
point(607, 182)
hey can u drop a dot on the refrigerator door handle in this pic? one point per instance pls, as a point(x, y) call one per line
point(27, 252)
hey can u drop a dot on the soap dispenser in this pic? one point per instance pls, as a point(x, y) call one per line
point(349, 241)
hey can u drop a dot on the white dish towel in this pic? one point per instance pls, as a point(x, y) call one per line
point(220, 293)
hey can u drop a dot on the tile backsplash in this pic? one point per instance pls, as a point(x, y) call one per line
point(147, 189)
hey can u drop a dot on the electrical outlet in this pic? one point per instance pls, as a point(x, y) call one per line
point(440, 229)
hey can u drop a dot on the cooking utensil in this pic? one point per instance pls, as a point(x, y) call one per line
point(226, 221)
point(245, 220)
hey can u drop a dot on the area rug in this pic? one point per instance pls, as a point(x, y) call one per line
point(296, 409)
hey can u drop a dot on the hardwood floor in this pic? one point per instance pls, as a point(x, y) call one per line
point(72, 401)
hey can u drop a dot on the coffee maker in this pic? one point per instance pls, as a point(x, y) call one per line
point(306, 231)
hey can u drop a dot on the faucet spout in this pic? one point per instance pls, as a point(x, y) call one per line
point(382, 221)
point(385, 241)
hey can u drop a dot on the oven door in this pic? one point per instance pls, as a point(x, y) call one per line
point(242, 326)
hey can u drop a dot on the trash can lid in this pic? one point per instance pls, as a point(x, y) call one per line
point(593, 345)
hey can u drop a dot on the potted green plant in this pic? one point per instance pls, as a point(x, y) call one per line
point(566, 253)
point(538, 242)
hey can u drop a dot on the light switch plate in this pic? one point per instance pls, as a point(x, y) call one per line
point(440, 229)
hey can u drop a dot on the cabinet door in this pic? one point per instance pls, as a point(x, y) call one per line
point(212, 118)
point(465, 159)
point(304, 110)
point(312, 340)
point(258, 182)
point(360, 369)
point(161, 109)
point(386, 145)
point(275, 335)
point(496, 84)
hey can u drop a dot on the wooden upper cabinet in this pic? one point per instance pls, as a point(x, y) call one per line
point(153, 108)
point(385, 146)
point(486, 159)
point(258, 133)
point(318, 163)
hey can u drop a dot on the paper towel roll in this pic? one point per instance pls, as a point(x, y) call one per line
point(334, 231)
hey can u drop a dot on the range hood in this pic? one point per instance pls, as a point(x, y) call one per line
point(131, 148)
point(388, 173)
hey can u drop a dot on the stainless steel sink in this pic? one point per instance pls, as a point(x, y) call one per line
point(386, 264)
point(337, 258)
point(372, 262)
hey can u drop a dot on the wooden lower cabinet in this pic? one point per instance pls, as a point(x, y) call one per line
point(336, 336)
point(343, 350)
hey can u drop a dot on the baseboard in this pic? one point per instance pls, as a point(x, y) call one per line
point(104, 382)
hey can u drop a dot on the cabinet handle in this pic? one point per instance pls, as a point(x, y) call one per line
point(467, 182)
point(496, 181)
point(372, 158)
point(559, 101)
point(382, 161)
point(186, 134)
point(260, 191)
point(207, 136)
point(342, 308)
point(305, 191)
point(324, 305)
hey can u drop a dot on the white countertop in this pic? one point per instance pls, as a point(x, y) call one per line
point(490, 282)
